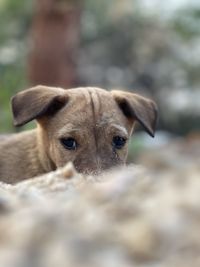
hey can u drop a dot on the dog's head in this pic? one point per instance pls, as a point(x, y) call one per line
point(88, 126)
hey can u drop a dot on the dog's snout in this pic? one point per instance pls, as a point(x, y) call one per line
point(96, 172)
point(93, 166)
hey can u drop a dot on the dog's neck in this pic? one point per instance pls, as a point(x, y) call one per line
point(23, 159)
point(44, 157)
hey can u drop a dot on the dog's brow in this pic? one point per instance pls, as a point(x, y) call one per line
point(109, 121)
point(120, 128)
point(68, 129)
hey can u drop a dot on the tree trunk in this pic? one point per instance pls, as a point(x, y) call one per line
point(54, 43)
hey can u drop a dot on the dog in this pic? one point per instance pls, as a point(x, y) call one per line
point(87, 126)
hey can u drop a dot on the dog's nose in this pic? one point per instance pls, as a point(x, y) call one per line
point(93, 166)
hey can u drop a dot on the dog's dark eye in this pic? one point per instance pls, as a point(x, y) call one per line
point(118, 142)
point(69, 143)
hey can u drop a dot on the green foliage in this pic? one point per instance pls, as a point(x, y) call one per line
point(186, 23)
point(15, 19)
point(136, 146)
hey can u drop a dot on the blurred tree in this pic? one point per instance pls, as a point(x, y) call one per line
point(54, 43)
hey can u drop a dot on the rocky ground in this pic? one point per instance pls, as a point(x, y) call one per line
point(134, 216)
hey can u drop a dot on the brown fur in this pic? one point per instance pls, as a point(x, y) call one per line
point(92, 116)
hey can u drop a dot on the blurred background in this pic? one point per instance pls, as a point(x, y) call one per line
point(148, 46)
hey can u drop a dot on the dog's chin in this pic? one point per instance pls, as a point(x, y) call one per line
point(90, 172)
point(97, 171)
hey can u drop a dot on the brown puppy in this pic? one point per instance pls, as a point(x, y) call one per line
point(88, 126)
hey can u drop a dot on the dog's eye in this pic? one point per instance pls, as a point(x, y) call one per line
point(69, 143)
point(118, 142)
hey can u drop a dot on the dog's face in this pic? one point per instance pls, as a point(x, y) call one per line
point(88, 126)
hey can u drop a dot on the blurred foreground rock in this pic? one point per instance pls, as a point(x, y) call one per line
point(177, 154)
point(127, 217)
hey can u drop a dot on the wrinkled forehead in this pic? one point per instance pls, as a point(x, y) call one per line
point(96, 99)
point(89, 107)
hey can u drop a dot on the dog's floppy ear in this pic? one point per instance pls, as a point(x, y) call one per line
point(36, 102)
point(139, 108)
